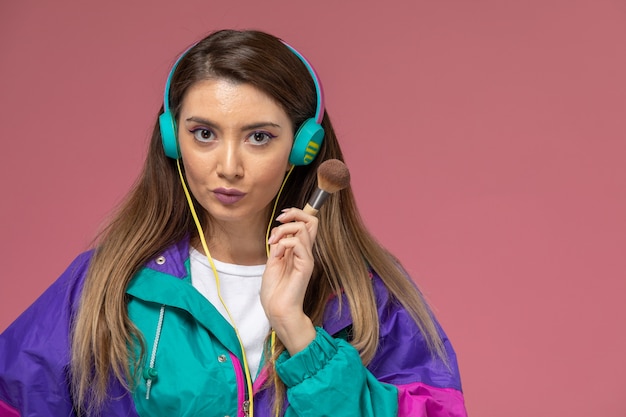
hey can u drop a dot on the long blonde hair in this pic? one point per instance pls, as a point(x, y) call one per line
point(155, 215)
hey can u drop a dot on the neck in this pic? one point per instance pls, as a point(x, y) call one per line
point(241, 244)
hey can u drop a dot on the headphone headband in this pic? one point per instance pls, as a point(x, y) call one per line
point(307, 140)
point(168, 82)
point(319, 91)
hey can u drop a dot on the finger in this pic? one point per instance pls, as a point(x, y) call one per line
point(297, 215)
point(293, 245)
point(298, 229)
point(293, 228)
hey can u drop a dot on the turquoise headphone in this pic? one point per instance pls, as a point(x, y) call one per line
point(307, 140)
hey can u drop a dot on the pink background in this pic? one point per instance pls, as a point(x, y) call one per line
point(486, 142)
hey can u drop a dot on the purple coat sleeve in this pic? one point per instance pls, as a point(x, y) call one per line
point(427, 386)
point(35, 355)
point(34, 350)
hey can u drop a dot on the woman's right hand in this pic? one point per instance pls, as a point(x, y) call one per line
point(286, 278)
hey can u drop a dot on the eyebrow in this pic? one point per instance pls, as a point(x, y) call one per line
point(250, 126)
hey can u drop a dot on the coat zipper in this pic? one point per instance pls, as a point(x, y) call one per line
point(150, 374)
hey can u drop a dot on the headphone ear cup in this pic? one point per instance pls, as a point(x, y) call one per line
point(168, 135)
point(306, 143)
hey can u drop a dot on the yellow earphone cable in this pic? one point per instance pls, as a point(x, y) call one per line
point(217, 280)
point(269, 225)
point(267, 248)
point(219, 294)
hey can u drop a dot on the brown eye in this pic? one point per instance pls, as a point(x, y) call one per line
point(202, 135)
point(260, 138)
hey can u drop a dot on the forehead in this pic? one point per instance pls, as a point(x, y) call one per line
point(225, 97)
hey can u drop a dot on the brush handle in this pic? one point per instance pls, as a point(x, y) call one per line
point(316, 201)
point(309, 209)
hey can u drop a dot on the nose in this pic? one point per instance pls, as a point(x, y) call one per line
point(229, 164)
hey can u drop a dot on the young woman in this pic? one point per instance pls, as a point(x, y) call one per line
point(188, 307)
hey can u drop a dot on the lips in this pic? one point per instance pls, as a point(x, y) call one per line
point(228, 196)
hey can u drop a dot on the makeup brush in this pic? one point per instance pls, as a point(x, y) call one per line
point(332, 176)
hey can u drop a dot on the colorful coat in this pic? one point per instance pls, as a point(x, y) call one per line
point(193, 361)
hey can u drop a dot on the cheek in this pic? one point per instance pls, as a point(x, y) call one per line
point(270, 177)
point(193, 173)
point(271, 174)
point(277, 163)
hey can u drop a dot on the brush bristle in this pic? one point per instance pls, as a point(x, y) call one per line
point(332, 176)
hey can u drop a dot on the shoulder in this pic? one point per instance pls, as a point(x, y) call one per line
point(403, 355)
point(59, 300)
point(67, 288)
point(34, 349)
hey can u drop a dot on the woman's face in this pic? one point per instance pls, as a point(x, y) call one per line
point(235, 142)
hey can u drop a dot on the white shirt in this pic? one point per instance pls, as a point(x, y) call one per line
point(240, 287)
